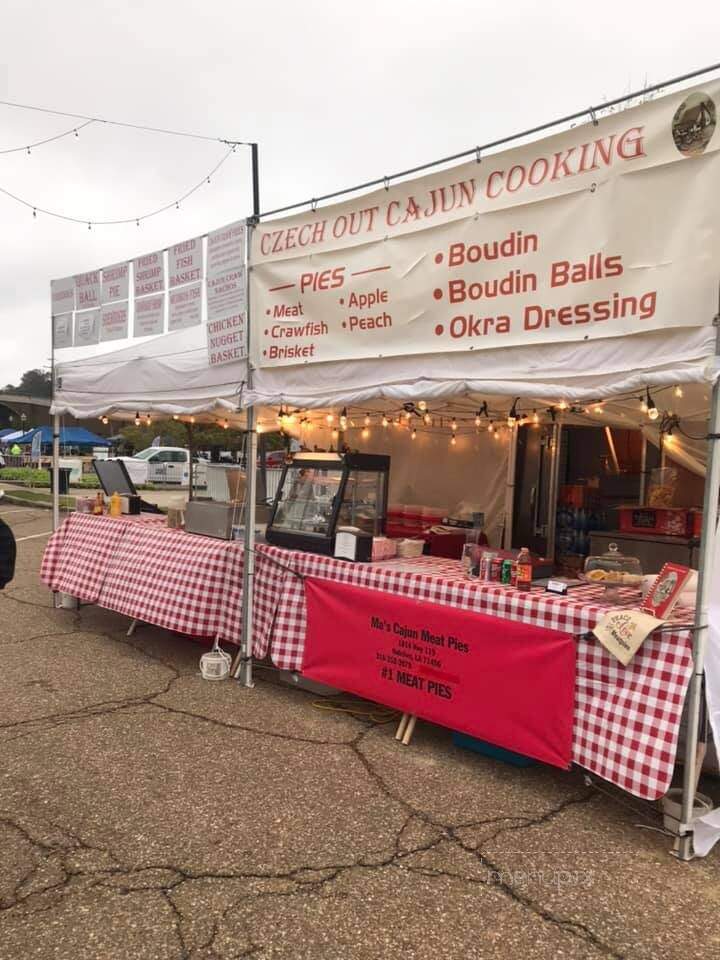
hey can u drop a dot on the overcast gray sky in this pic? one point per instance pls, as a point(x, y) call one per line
point(333, 92)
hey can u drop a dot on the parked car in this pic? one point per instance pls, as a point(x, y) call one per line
point(166, 465)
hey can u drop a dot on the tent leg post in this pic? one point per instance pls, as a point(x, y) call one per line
point(691, 772)
point(510, 490)
point(554, 491)
point(56, 472)
point(242, 668)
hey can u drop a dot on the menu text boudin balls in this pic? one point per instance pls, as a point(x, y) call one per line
point(550, 241)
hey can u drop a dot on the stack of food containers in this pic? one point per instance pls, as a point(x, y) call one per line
point(411, 521)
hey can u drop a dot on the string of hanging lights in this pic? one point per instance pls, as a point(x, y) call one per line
point(453, 419)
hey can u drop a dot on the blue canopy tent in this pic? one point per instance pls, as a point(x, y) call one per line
point(69, 437)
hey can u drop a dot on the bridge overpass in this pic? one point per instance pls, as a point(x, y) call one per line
point(24, 413)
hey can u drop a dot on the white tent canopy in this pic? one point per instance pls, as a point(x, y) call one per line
point(166, 375)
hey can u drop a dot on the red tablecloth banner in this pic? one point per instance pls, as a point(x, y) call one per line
point(627, 719)
point(502, 681)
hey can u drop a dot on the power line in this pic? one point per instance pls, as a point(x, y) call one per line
point(121, 123)
point(39, 143)
point(106, 223)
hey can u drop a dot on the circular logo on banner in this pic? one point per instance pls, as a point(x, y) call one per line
point(694, 124)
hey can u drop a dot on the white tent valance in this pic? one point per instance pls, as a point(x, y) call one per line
point(167, 375)
point(579, 371)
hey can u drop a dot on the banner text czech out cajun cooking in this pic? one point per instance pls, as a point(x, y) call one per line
point(605, 230)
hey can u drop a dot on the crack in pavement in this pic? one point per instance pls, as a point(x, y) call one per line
point(307, 879)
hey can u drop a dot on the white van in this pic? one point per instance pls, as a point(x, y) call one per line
point(166, 465)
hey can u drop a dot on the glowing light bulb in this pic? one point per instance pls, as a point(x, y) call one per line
point(334, 434)
point(453, 440)
point(137, 419)
point(453, 425)
point(175, 417)
point(562, 405)
point(678, 391)
point(225, 425)
point(413, 434)
point(653, 413)
point(407, 414)
point(367, 419)
point(491, 427)
point(330, 418)
point(536, 418)
point(365, 433)
point(422, 406)
point(259, 428)
point(598, 408)
point(511, 421)
point(192, 419)
point(384, 421)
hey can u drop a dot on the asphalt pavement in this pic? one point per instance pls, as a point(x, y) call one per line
point(146, 813)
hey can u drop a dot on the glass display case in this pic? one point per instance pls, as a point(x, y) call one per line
point(320, 492)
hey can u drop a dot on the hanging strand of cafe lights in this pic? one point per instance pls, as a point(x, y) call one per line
point(120, 123)
point(458, 419)
point(29, 147)
point(86, 121)
point(137, 220)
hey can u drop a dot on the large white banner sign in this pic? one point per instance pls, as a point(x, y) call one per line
point(185, 308)
point(185, 262)
point(149, 316)
point(115, 282)
point(114, 321)
point(605, 230)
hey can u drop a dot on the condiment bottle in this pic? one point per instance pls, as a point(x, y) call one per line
point(524, 569)
point(99, 505)
point(116, 505)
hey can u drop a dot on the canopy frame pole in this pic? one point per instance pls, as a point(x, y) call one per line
point(510, 488)
point(554, 490)
point(56, 472)
point(243, 666)
point(696, 688)
point(643, 469)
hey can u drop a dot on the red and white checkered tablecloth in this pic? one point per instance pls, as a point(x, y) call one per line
point(627, 719)
point(146, 571)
